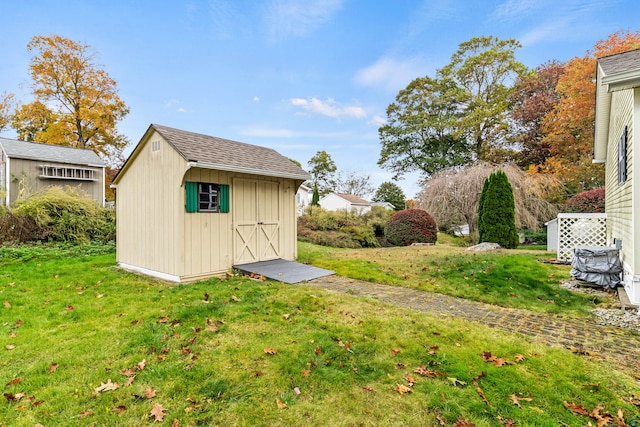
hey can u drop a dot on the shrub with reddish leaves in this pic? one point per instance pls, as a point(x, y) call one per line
point(591, 201)
point(411, 226)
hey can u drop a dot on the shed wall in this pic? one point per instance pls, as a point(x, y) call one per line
point(24, 178)
point(150, 209)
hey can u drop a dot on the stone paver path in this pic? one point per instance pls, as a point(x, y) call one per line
point(579, 335)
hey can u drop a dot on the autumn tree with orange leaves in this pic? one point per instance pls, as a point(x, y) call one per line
point(6, 101)
point(569, 127)
point(76, 102)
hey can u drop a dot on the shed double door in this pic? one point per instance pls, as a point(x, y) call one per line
point(256, 213)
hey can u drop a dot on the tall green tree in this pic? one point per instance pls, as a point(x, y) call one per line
point(391, 193)
point(76, 101)
point(496, 212)
point(483, 70)
point(322, 169)
point(420, 128)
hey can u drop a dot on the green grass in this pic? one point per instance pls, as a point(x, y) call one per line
point(71, 322)
point(511, 278)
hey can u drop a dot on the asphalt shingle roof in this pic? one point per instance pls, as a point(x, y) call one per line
point(353, 199)
point(620, 63)
point(49, 153)
point(230, 155)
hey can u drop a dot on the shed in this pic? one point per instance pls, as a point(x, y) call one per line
point(617, 117)
point(191, 206)
point(344, 202)
point(29, 167)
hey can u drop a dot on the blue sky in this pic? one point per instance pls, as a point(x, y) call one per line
point(298, 76)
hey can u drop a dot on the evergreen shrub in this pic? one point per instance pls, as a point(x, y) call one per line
point(411, 226)
point(496, 212)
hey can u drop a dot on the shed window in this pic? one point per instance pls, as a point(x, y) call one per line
point(622, 157)
point(65, 172)
point(207, 197)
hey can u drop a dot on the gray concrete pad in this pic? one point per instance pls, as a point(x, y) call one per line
point(283, 270)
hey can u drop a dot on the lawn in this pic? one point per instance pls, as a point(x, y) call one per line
point(84, 343)
point(510, 278)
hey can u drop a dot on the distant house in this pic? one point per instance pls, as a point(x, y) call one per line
point(385, 205)
point(28, 167)
point(191, 206)
point(617, 120)
point(303, 199)
point(344, 202)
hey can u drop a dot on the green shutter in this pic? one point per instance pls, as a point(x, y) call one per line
point(192, 196)
point(224, 198)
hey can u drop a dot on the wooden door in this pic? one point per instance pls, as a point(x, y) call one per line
point(256, 211)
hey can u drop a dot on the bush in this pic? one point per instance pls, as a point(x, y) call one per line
point(591, 201)
point(14, 229)
point(67, 216)
point(496, 212)
point(411, 226)
point(337, 229)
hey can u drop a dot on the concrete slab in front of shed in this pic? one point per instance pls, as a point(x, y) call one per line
point(283, 270)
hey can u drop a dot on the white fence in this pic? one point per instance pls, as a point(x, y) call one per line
point(580, 229)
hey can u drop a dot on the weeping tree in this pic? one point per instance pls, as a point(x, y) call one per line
point(452, 195)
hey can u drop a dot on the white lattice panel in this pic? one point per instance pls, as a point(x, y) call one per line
point(580, 230)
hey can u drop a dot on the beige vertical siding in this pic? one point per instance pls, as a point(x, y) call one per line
point(150, 209)
point(25, 179)
point(619, 201)
point(155, 232)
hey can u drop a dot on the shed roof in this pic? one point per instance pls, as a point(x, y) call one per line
point(223, 154)
point(620, 63)
point(49, 153)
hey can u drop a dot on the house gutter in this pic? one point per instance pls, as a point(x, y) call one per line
point(241, 169)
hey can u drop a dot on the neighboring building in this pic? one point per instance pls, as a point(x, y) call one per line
point(344, 202)
point(191, 206)
point(28, 167)
point(385, 205)
point(616, 121)
point(303, 199)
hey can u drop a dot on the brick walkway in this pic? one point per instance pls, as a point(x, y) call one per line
point(579, 335)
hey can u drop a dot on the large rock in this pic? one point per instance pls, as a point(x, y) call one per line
point(485, 246)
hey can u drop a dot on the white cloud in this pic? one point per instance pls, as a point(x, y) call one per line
point(377, 121)
point(170, 103)
point(514, 9)
point(182, 110)
point(391, 74)
point(328, 108)
point(298, 17)
point(256, 99)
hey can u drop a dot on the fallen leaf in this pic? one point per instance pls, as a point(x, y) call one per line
point(140, 365)
point(211, 328)
point(10, 346)
point(235, 298)
point(424, 372)
point(296, 390)
point(456, 381)
point(86, 413)
point(306, 372)
point(175, 423)
point(15, 381)
point(516, 399)
point(53, 367)
point(6, 304)
point(369, 388)
point(69, 308)
point(149, 393)
point(13, 397)
point(481, 393)
point(411, 380)
point(127, 372)
point(129, 381)
point(286, 316)
point(158, 412)
point(318, 350)
point(281, 404)
point(108, 386)
point(270, 350)
point(440, 420)
point(463, 423)
point(403, 389)
point(120, 409)
point(395, 351)
point(519, 358)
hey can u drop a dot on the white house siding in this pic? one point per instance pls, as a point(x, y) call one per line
point(150, 210)
point(619, 197)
